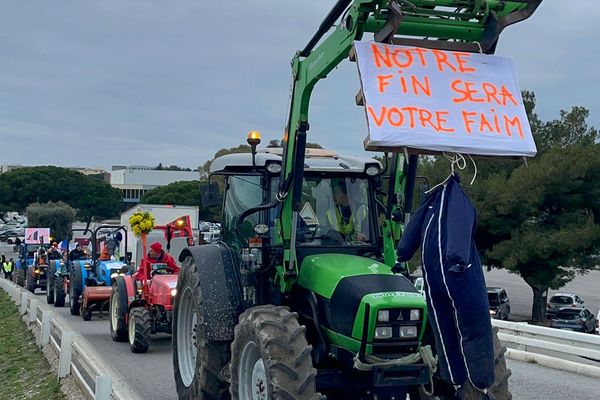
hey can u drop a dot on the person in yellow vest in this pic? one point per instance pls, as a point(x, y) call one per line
point(7, 267)
point(345, 220)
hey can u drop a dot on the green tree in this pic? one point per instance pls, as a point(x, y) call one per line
point(186, 193)
point(543, 222)
point(57, 216)
point(91, 197)
point(527, 214)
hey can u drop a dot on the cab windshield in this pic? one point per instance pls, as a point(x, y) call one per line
point(335, 212)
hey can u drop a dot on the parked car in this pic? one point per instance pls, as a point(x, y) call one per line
point(420, 285)
point(9, 236)
point(574, 319)
point(562, 300)
point(499, 303)
point(597, 323)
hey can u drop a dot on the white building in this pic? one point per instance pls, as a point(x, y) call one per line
point(136, 180)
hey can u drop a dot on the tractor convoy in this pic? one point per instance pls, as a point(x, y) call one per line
point(302, 296)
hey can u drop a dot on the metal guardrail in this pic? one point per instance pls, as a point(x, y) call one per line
point(572, 351)
point(75, 355)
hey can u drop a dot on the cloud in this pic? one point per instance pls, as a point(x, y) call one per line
point(142, 82)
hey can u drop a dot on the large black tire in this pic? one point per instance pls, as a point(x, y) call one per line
point(50, 283)
point(30, 279)
point(59, 292)
point(118, 300)
point(75, 289)
point(19, 276)
point(285, 353)
point(204, 383)
point(139, 327)
point(499, 390)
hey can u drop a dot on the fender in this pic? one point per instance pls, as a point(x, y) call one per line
point(220, 286)
point(130, 289)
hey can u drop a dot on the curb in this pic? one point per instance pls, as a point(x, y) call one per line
point(554, 363)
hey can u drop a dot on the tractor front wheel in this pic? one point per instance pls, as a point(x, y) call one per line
point(139, 327)
point(499, 390)
point(197, 361)
point(59, 292)
point(50, 283)
point(118, 310)
point(270, 357)
point(30, 279)
point(75, 289)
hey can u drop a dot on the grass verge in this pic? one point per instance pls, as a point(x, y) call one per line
point(24, 372)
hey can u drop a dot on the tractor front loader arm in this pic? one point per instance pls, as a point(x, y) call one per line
point(465, 25)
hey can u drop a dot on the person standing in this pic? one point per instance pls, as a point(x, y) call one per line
point(7, 267)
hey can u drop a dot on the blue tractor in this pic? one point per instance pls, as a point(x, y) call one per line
point(90, 280)
point(57, 284)
point(25, 260)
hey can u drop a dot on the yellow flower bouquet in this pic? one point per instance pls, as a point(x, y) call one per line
point(142, 222)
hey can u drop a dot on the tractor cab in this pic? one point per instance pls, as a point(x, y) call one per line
point(338, 206)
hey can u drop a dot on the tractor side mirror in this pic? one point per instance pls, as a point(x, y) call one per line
point(211, 196)
point(423, 193)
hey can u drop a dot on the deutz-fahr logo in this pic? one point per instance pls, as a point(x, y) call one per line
point(394, 294)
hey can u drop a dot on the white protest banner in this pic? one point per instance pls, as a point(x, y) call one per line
point(37, 235)
point(442, 101)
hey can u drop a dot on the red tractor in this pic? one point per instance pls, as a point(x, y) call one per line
point(142, 304)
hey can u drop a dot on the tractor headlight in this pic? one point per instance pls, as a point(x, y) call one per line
point(383, 316)
point(274, 167)
point(383, 332)
point(372, 170)
point(173, 292)
point(408, 331)
point(415, 315)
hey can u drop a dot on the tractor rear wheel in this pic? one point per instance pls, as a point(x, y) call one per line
point(75, 289)
point(139, 327)
point(499, 390)
point(270, 357)
point(30, 279)
point(50, 283)
point(118, 310)
point(197, 361)
point(59, 292)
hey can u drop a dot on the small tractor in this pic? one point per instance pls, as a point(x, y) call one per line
point(59, 276)
point(293, 302)
point(25, 259)
point(36, 273)
point(142, 304)
point(90, 280)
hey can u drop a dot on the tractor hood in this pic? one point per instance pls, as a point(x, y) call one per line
point(321, 273)
point(346, 284)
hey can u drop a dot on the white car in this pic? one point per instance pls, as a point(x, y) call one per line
point(420, 285)
point(597, 323)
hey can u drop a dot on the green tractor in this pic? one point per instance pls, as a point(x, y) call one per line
point(298, 299)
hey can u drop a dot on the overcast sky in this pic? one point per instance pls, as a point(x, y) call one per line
point(97, 83)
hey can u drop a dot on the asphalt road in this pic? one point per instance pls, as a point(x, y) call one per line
point(521, 296)
point(151, 374)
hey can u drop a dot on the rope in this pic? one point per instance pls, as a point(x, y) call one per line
point(425, 354)
point(456, 160)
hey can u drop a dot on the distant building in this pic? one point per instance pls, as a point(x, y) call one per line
point(134, 181)
point(7, 168)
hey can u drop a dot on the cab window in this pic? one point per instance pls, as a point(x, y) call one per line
point(244, 192)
